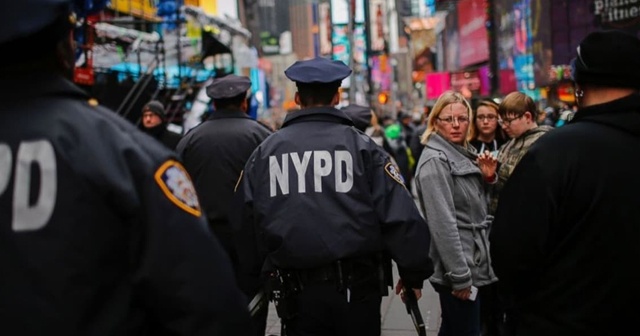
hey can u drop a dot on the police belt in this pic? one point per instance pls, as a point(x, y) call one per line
point(349, 272)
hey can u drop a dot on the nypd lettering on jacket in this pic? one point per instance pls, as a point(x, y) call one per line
point(29, 212)
point(311, 170)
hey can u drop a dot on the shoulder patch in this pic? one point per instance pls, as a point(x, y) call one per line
point(176, 184)
point(394, 172)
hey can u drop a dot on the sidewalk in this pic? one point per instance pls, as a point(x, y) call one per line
point(395, 320)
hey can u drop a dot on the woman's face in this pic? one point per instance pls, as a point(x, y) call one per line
point(486, 120)
point(453, 123)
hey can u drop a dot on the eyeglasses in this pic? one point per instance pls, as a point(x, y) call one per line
point(487, 117)
point(451, 120)
point(508, 121)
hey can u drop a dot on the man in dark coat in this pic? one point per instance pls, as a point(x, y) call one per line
point(101, 229)
point(318, 204)
point(215, 152)
point(154, 123)
point(564, 242)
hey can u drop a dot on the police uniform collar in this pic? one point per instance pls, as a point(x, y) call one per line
point(324, 113)
point(38, 85)
point(228, 113)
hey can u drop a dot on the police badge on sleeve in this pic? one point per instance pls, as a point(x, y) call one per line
point(176, 184)
point(394, 172)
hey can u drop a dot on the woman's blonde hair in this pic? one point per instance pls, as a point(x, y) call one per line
point(445, 99)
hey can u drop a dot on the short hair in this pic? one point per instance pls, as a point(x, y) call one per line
point(235, 101)
point(446, 98)
point(517, 103)
point(317, 93)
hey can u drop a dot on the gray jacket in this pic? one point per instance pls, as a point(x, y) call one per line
point(453, 198)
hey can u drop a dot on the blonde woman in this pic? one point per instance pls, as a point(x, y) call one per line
point(450, 180)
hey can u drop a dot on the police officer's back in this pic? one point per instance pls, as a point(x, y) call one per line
point(215, 152)
point(321, 202)
point(100, 227)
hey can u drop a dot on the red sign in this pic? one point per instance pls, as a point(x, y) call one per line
point(472, 31)
point(437, 83)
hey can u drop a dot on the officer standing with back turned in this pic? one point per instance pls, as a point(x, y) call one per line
point(319, 203)
point(101, 232)
point(215, 152)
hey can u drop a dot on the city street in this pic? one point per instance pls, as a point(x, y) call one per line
point(395, 320)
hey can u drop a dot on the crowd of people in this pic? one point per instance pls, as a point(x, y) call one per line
point(521, 228)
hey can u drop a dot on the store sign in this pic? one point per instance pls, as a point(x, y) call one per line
point(617, 13)
point(378, 25)
point(437, 83)
point(468, 81)
point(270, 44)
point(474, 45)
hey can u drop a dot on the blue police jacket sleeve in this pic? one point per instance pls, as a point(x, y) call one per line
point(404, 231)
point(185, 277)
point(521, 229)
point(244, 225)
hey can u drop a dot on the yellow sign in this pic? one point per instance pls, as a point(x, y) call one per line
point(209, 6)
point(141, 8)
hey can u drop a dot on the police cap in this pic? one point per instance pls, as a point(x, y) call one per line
point(360, 115)
point(23, 18)
point(228, 87)
point(318, 70)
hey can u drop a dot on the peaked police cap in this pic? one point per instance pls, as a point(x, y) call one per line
point(317, 70)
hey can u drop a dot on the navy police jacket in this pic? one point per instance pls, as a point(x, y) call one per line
point(214, 153)
point(101, 232)
point(317, 191)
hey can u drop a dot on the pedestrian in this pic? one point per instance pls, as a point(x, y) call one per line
point(485, 133)
point(214, 154)
point(518, 118)
point(565, 238)
point(451, 186)
point(154, 123)
point(101, 227)
point(320, 203)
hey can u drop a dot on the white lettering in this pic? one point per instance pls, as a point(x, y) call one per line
point(27, 217)
point(321, 167)
point(599, 5)
point(344, 157)
point(278, 174)
point(473, 25)
point(5, 167)
point(301, 169)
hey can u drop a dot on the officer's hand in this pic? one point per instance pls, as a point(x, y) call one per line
point(400, 290)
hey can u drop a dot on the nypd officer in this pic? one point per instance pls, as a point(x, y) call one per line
point(100, 228)
point(320, 203)
point(215, 152)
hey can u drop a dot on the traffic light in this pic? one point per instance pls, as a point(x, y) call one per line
point(383, 98)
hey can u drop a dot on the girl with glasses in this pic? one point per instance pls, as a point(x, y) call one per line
point(485, 133)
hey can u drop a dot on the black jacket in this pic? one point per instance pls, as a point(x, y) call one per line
point(168, 138)
point(101, 232)
point(319, 190)
point(564, 242)
point(214, 154)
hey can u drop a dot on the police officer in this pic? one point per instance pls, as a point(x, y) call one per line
point(101, 229)
point(320, 202)
point(215, 152)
